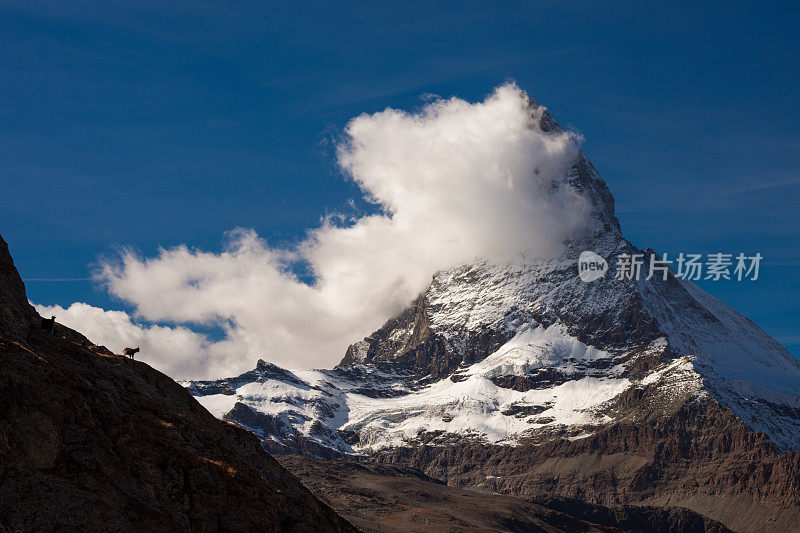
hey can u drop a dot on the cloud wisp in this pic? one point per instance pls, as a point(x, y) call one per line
point(453, 182)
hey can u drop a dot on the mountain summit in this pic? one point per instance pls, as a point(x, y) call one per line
point(519, 377)
point(16, 314)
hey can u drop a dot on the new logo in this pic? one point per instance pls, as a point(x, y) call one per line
point(591, 266)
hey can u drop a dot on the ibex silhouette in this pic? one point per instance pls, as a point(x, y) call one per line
point(48, 323)
point(130, 351)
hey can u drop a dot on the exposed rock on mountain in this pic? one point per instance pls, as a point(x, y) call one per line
point(92, 441)
point(16, 314)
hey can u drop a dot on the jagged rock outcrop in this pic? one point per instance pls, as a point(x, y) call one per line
point(17, 316)
point(92, 441)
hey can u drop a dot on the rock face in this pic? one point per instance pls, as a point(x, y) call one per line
point(701, 458)
point(94, 441)
point(16, 314)
point(521, 378)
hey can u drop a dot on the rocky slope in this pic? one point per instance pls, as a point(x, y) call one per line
point(92, 441)
point(522, 378)
point(16, 314)
point(379, 498)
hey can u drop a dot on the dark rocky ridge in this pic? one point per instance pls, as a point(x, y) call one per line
point(93, 441)
point(17, 316)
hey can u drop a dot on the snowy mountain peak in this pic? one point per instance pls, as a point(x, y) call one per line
point(525, 351)
point(519, 352)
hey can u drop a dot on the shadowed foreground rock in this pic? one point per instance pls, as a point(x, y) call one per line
point(16, 314)
point(94, 441)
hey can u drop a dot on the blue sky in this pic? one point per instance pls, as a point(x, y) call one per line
point(154, 125)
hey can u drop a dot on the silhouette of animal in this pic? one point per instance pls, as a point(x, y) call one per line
point(130, 351)
point(48, 323)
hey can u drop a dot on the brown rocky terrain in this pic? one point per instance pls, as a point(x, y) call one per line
point(701, 457)
point(381, 498)
point(92, 441)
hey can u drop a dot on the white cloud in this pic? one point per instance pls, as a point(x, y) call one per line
point(115, 329)
point(454, 182)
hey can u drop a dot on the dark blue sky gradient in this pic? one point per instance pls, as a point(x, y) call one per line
point(167, 123)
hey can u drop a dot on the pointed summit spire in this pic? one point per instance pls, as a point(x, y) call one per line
point(16, 314)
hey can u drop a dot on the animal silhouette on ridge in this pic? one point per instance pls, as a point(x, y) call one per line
point(130, 351)
point(48, 323)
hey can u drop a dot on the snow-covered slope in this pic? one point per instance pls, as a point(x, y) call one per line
point(395, 410)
